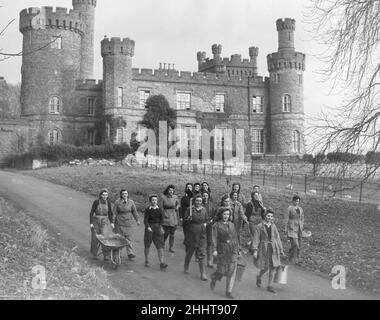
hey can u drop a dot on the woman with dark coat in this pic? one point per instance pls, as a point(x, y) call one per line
point(267, 249)
point(170, 205)
point(294, 227)
point(153, 218)
point(195, 241)
point(185, 204)
point(124, 212)
point(238, 216)
point(226, 250)
point(210, 210)
point(100, 220)
point(255, 212)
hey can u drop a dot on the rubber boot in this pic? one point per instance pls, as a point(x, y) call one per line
point(146, 252)
point(171, 244)
point(202, 270)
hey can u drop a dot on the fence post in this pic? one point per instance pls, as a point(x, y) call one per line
point(264, 178)
point(361, 191)
point(323, 187)
point(275, 180)
point(251, 172)
point(282, 168)
point(163, 165)
point(291, 180)
point(204, 170)
point(305, 183)
point(212, 169)
point(156, 164)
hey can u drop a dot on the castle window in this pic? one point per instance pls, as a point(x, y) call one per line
point(55, 105)
point(91, 106)
point(50, 22)
point(71, 24)
point(296, 141)
point(286, 103)
point(56, 42)
point(300, 79)
point(108, 131)
point(120, 136)
point(64, 24)
point(57, 22)
point(143, 97)
point(142, 133)
point(183, 100)
point(188, 137)
point(220, 102)
point(219, 137)
point(276, 78)
point(257, 136)
point(54, 137)
point(91, 137)
point(257, 104)
point(120, 97)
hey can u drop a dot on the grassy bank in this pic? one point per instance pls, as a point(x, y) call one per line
point(26, 247)
point(343, 233)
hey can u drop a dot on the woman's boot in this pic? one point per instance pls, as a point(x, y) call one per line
point(202, 269)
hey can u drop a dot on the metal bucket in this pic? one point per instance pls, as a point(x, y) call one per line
point(240, 268)
point(281, 276)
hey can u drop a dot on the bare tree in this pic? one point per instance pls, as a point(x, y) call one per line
point(350, 30)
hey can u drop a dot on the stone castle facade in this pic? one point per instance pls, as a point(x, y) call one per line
point(61, 103)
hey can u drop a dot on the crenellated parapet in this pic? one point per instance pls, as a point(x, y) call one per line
point(84, 2)
point(50, 18)
point(89, 84)
point(117, 46)
point(287, 24)
point(278, 61)
point(201, 78)
point(235, 65)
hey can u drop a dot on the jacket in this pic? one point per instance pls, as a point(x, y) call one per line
point(294, 222)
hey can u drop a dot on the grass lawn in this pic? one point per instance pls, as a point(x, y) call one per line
point(343, 232)
point(25, 244)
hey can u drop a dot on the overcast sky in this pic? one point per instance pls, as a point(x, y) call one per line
point(172, 31)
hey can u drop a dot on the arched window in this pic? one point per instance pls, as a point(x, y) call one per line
point(296, 141)
point(55, 105)
point(286, 103)
point(54, 137)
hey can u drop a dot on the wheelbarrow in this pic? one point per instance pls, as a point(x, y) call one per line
point(111, 247)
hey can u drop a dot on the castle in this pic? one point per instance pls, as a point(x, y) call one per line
point(61, 103)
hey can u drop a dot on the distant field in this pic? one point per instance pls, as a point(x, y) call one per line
point(343, 232)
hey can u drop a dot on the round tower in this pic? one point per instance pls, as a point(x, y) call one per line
point(117, 56)
point(86, 10)
point(286, 68)
point(50, 61)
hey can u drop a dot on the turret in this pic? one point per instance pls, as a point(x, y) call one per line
point(51, 60)
point(286, 69)
point(253, 54)
point(86, 9)
point(286, 30)
point(117, 72)
point(216, 51)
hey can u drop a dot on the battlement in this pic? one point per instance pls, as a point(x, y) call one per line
point(118, 46)
point(280, 61)
point(205, 78)
point(286, 24)
point(84, 2)
point(48, 17)
point(89, 84)
point(235, 61)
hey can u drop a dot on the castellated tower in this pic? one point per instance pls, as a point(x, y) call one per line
point(286, 68)
point(86, 10)
point(51, 61)
point(117, 72)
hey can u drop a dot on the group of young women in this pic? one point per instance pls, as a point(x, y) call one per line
point(211, 231)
